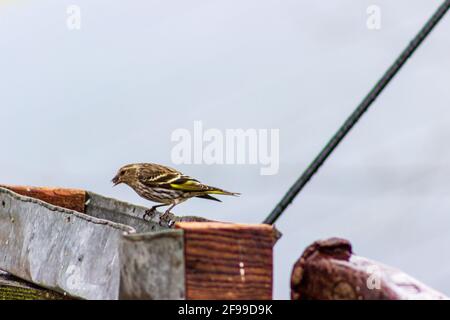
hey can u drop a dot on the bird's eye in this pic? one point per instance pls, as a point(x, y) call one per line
point(122, 173)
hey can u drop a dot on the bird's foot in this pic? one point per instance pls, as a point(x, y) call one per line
point(167, 219)
point(149, 213)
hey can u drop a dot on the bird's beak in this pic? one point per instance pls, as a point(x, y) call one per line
point(115, 180)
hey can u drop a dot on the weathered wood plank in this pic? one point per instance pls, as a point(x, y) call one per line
point(72, 199)
point(228, 261)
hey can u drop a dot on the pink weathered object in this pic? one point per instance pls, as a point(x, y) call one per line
point(328, 270)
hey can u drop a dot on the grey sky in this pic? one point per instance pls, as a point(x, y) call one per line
point(76, 105)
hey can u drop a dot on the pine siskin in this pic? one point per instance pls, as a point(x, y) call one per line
point(164, 185)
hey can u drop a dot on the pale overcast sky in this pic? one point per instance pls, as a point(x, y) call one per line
point(76, 105)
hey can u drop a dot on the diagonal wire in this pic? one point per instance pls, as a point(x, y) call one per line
point(357, 114)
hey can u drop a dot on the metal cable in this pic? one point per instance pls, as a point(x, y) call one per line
point(357, 114)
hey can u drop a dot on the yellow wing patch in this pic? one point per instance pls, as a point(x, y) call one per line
point(188, 186)
point(196, 186)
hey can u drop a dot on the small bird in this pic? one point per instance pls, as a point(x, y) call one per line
point(164, 185)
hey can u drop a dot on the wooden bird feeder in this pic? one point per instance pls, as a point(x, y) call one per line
point(75, 243)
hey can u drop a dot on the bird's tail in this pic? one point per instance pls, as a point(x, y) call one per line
point(207, 196)
point(222, 192)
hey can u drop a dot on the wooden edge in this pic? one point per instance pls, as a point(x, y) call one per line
point(215, 225)
point(72, 199)
point(222, 226)
point(228, 261)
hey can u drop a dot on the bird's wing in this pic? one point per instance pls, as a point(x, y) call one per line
point(168, 178)
point(186, 183)
point(165, 177)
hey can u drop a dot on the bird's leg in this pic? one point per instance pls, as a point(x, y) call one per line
point(166, 214)
point(148, 212)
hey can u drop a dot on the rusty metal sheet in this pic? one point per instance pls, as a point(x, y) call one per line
point(152, 266)
point(132, 215)
point(129, 214)
point(121, 212)
point(59, 249)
